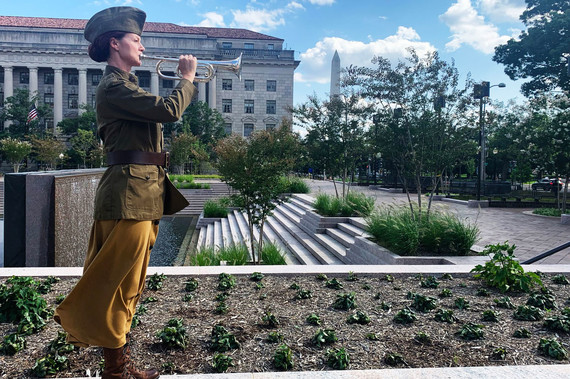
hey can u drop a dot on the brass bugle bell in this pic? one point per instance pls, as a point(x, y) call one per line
point(205, 71)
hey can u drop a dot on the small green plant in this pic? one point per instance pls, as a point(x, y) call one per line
point(483, 292)
point(324, 337)
point(358, 318)
point(155, 282)
point(446, 276)
point(528, 313)
point(405, 316)
point(59, 299)
point(334, 284)
point(322, 277)
point(314, 319)
point(168, 368)
point(222, 340)
point(12, 343)
point(504, 302)
point(303, 294)
point(552, 348)
point(222, 296)
point(222, 308)
point(490, 315)
point(191, 285)
point(187, 297)
point(259, 285)
point(446, 292)
point(552, 212)
point(272, 255)
point(59, 345)
point(221, 362)
point(522, 333)
point(389, 278)
point(393, 359)
point(150, 299)
point(294, 286)
point(499, 354)
point(174, 334)
point(372, 337)
point(49, 365)
point(429, 282)
point(424, 303)
point(558, 323)
point(256, 276)
point(338, 359)
point(422, 338)
point(502, 271)
point(135, 321)
point(226, 281)
point(385, 306)
point(270, 320)
point(283, 358)
point(275, 337)
point(470, 332)
point(352, 277)
point(542, 300)
point(445, 315)
point(345, 301)
point(560, 279)
point(461, 303)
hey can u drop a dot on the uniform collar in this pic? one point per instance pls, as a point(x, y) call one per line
point(125, 75)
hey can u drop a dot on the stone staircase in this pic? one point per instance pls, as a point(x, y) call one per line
point(197, 197)
point(304, 241)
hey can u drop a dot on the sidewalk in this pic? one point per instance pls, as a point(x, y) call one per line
point(532, 235)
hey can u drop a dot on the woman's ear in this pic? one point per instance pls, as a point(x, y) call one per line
point(114, 44)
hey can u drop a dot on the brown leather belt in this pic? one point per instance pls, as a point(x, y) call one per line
point(138, 157)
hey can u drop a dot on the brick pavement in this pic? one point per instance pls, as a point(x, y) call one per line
point(532, 235)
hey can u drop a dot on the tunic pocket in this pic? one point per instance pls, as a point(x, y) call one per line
point(142, 187)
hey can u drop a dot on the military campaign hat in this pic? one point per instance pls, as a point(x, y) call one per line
point(120, 19)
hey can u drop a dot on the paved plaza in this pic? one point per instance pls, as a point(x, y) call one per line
point(531, 234)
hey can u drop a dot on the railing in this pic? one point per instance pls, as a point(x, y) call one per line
point(547, 253)
point(257, 53)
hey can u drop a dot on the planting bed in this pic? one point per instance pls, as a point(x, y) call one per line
point(381, 343)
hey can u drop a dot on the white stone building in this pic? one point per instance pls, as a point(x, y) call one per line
point(49, 56)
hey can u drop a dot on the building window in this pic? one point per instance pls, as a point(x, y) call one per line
point(248, 106)
point(166, 83)
point(228, 127)
point(226, 45)
point(269, 126)
point(72, 79)
point(1, 99)
point(93, 97)
point(227, 84)
point(271, 85)
point(144, 79)
point(96, 78)
point(270, 46)
point(48, 99)
point(24, 77)
point(227, 105)
point(72, 101)
point(248, 46)
point(249, 85)
point(247, 129)
point(270, 106)
point(48, 78)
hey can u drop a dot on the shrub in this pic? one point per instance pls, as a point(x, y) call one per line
point(552, 348)
point(345, 301)
point(504, 272)
point(323, 337)
point(547, 212)
point(12, 344)
point(470, 332)
point(291, 184)
point(358, 318)
point(221, 362)
point(338, 359)
point(234, 255)
point(226, 281)
point(222, 340)
point(528, 313)
point(355, 204)
point(205, 256)
point(405, 316)
point(174, 334)
point(283, 357)
point(445, 315)
point(272, 255)
point(155, 282)
point(213, 208)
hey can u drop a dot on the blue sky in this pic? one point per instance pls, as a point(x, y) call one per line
point(463, 30)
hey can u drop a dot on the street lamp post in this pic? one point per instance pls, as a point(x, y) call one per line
point(481, 91)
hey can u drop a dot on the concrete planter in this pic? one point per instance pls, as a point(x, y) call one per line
point(565, 219)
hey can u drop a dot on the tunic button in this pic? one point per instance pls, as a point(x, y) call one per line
point(147, 177)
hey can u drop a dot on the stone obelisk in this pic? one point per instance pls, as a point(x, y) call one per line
point(335, 75)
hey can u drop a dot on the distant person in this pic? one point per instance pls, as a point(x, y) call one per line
point(133, 193)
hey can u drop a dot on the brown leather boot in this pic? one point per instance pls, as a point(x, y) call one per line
point(148, 374)
point(115, 364)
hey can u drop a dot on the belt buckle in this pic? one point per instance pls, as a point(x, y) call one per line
point(166, 159)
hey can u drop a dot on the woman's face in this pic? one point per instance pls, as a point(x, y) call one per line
point(130, 48)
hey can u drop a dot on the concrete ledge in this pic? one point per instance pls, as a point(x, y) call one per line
point(478, 203)
point(455, 201)
point(565, 219)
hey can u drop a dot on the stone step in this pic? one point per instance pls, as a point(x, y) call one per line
point(218, 243)
point(359, 222)
point(351, 229)
point(235, 232)
point(297, 249)
point(307, 199)
point(298, 211)
point(226, 234)
point(209, 240)
point(301, 204)
point(289, 214)
point(201, 238)
point(333, 246)
point(244, 230)
point(316, 249)
point(344, 238)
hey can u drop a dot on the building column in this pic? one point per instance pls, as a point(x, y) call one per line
point(82, 96)
point(154, 83)
point(212, 97)
point(202, 92)
point(33, 81)
point(57, 97)
point(8, 88)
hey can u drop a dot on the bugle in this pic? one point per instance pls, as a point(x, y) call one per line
point(205, 71)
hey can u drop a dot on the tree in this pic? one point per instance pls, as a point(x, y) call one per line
point(83, 143)
point(15, 151)
point(204, 122)
point(253, 167)
point(85, 121)
point(48, 149)
point(16, 109)
point(540, 52)
point(186, 148)
point(422, 117)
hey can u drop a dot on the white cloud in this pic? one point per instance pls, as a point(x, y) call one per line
point(259, 20)
point(322, 2)
point(316, 61)
point(212, 19)
point(468, 27)
point(295, 5)
point(503, 10)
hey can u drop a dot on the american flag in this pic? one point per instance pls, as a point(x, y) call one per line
point(32, 114)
